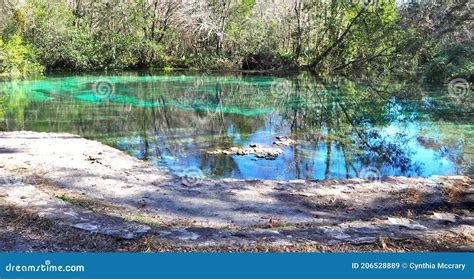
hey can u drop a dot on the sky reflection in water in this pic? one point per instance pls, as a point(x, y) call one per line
point(174, 121)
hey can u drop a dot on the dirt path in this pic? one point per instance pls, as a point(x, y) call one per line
point(85, 185)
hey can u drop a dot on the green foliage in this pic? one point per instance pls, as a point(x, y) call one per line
point(63, 45)
point(17, 59)
point(64, 41)
point(325, 37)
point(150, 53)
point(453, 61)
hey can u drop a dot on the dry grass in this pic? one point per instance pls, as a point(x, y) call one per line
point(20, 226)
point(37, 234)
point(456, 194)
point(411, 196)
point(103, 207)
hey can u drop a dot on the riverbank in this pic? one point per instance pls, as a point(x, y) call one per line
point(60, 192)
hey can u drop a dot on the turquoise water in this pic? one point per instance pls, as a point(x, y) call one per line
point(343, 128)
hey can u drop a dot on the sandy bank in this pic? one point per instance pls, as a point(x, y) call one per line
point(91, 187)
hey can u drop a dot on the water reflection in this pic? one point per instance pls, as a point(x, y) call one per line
point(341, 126)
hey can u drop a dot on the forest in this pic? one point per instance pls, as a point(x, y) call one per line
point(430, 38)
point(237, 126)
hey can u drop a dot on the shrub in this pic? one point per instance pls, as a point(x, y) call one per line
point(17, 59)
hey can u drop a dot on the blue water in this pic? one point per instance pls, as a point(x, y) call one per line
point(342, 127)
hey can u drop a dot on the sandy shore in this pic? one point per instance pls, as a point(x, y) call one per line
point(96, 198)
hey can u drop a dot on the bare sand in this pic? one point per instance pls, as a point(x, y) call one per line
point(66, 193)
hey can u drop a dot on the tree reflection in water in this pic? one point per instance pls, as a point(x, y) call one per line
point(341, 126)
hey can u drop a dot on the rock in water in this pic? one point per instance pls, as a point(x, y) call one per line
point(268, 153)
point(283, 141)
